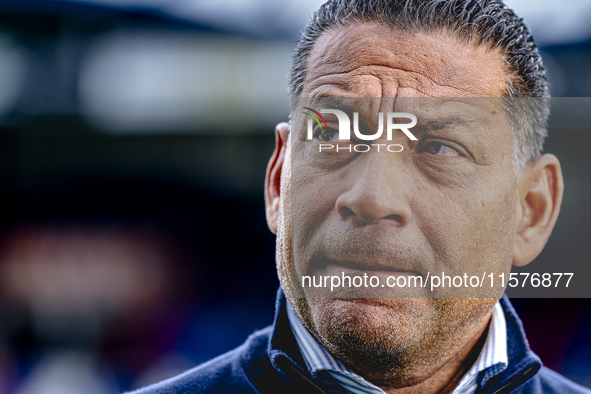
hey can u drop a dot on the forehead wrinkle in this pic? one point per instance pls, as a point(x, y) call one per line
point(349, 81)
point(419, 59)
point(396, 75)
point(346, 88)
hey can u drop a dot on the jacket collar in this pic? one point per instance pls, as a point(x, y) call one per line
point(284, 353)
point(282, 342)
point(523, 364)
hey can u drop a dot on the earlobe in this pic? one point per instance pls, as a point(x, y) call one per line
point(540, 197)
point(273, 176)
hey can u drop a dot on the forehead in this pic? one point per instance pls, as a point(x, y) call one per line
point(366, 59)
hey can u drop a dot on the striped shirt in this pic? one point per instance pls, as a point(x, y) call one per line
point(339, 379)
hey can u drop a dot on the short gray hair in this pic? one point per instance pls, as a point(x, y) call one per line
point(481, 22)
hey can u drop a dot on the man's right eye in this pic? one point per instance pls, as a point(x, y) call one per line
point(327, 135)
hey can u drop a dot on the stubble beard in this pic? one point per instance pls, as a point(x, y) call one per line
point(398, 340)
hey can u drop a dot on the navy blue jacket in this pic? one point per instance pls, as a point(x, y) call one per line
point(270, 362)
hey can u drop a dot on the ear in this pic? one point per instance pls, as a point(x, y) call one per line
point(273, 176)
point(540, 196)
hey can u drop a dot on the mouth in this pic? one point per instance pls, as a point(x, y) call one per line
point(324, 265)
point(328, 278)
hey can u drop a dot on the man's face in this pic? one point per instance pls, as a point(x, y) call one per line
point(447, 202)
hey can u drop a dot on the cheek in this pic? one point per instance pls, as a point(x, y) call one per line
point(313, 197)
point(469, 228)
point(307, 199)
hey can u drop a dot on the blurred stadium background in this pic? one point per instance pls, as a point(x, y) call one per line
point(133, 243)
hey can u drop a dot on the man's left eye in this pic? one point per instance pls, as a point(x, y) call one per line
point(440, 149)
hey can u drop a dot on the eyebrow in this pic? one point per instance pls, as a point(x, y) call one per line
point(424, 125)
point(331, 102)
point(337, 103)
point(427, 125)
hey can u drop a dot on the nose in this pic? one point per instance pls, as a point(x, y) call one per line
point(377, 194)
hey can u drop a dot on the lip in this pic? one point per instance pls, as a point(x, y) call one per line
point(362, 280)
point(323, 263)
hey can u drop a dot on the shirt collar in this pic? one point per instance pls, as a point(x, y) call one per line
point(491, 361)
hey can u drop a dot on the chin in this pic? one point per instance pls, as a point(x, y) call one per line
point(370, 327)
